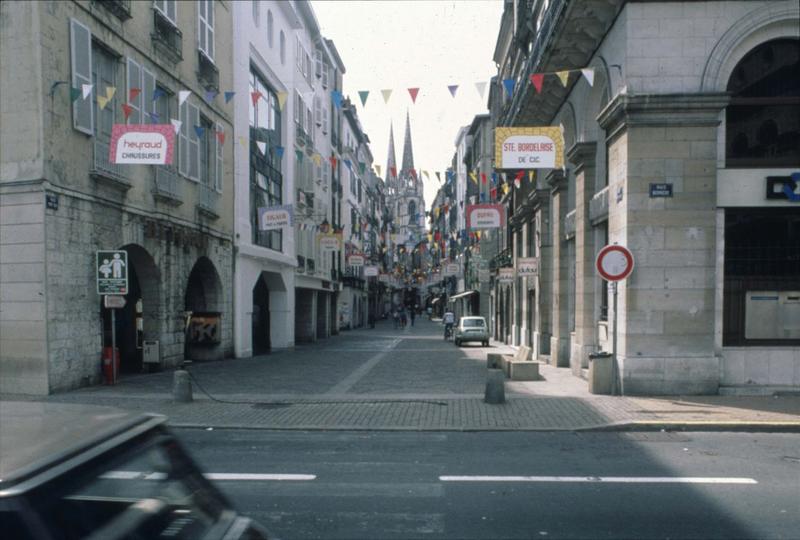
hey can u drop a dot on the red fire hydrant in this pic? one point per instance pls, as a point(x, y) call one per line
point(108, 372)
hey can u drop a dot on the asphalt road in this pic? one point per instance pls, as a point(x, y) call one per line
point(376, 485)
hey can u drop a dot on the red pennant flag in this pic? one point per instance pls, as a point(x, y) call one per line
point(255, 96)
point(133, 93)
point(493, 193)
point(126, 110)
point(483, 177)
point(413, 173)
point(413, 92)
point(518, 179)
point(333, 161)
point(393, 170)
point(537, 79)
point(221, 137)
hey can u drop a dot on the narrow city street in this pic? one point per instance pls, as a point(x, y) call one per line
point(508, 485)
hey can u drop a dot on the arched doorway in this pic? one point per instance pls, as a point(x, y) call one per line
point(140, 319)
point(204, 306)
point(261, 319)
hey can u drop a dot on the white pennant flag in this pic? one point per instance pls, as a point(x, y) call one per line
point(589, 74)
point(176, 124)
point(262, 146)
point(481, 87)
point(182, 95)
point(87, 90)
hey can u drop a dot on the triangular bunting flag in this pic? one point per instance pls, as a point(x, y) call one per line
point(199, 131)
point(386, 95)
point(494, 178)
point(317, 159)
point(589, 74)
point(426, 175)
point(262, 147)
point(363, 94)
point(537, 79)
point(102, 101)
point(413, 93)
point(220, 137)
point(86, 90)
point(279, 150)
point(126, 110)
point(133, 93)
point(255, 96)
point(110, 91)
point(393, 170)
point(362, 167)
point(473, 177)
point(453, 89)
point(157, 93)
point(154, 117)
point(282, 99)
point(332, 159)
point(74, 93)
point(229, 96)
point(439, 176)
point(299, 155)
point(531, 175)
point(210, 95)
point(337, 98)
point(563, 77)
point(182, 95)
point(378, 169)
point(518, 179)
point(346, 162)
point(483, 178)
point(481, 88)
point(509, 86)
point(176, 124)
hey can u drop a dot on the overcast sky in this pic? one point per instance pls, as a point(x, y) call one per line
point(398, 45)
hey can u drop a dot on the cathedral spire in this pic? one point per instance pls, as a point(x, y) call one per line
point(390, 160)
point(408, 153)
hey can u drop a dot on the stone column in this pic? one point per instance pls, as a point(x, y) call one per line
point(544, 285)
point(582, 156)
point(666, 307)
point(559, 340)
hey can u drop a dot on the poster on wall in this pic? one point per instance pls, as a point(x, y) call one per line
point(528, 266)
point(142, 144)
point(371, 271)
point(505, 275)
point(329, 242)
point(355, 260)
point(529, 147)
point(275, 217)
point(486, 216)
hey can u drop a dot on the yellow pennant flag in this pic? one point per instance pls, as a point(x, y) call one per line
point(282, 99)
point(436, 211)
point(386, 95)
point(426, 175)
point(531, 175)
point(110, 91)
point(564, 76)
point(505, 189)
point(102, 101)
point(378, 169)
point(473, 177)
point(317, 159)
point(478, 234)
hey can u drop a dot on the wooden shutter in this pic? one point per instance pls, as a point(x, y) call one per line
point(134, 80)
point(148, 104)
point(183, 140)
point(81, 59)
point(194, 143)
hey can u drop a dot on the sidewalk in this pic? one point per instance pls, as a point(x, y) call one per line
point(410, 379)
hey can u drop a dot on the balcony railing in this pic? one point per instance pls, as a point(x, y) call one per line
point(598, 206)
point(569, 225)
point(208, 201)
point(301, 264)
point(167, 185)
point(120, 8)
point(167, 38)
point(103, 170)
point(310, 266)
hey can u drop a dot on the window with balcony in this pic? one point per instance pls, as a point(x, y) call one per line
point(167, 38)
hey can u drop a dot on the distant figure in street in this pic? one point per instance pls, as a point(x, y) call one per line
point(448, 320)
point(403, 318)
point(413, 316)
point(395, 317)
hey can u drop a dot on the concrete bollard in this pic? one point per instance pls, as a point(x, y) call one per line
point(493, 361)
point(181, 386)
point(495, 386)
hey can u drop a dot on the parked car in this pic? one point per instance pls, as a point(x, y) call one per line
point(73, 471)
point(472, 329)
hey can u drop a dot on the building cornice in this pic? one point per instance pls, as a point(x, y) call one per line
point(661, 110)
point(557, 180)
point(582, 155)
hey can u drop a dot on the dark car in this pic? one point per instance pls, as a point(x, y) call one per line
point(73, 472)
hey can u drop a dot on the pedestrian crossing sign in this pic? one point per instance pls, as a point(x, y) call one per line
point(111, 270)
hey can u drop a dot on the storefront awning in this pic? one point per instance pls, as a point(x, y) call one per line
point(462, 295)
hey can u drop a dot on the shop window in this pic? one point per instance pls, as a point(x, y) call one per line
point(763, 118)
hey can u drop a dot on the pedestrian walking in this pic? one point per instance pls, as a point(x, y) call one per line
point(396, 317)
point(413, 316)
point(403, 319)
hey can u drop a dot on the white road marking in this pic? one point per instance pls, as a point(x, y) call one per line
point(137, 475)
point(604, 479)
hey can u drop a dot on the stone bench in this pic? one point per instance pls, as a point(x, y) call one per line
point(517, 367)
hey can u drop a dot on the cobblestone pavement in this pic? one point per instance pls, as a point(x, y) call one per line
point(411, 379)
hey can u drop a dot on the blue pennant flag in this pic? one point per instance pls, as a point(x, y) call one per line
point(211, 94)
point(200, 131)
point(483, 197)
point(157, 93)
point(229, 96)
point(349, 164)
point(153, 117)
point(337, 98)
point(494, 178)
point(449, 175)
point(509, 84)
point(279, 151)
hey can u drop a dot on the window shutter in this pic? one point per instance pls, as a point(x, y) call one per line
point(325, 120)
point(194, 143)
point(81, 59)
point(218, 162)
point(149, 105)
point(183, 140)
point(318, 63)
point(134, 80)
point(205, 27)
point(318, 110)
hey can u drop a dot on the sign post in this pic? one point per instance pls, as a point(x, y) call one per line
point(111, 271)
point(614, 263)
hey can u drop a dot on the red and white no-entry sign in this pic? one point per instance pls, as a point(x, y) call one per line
point(614, 263)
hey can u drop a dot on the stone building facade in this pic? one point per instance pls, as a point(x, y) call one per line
point(61, 199)
point(683, 124)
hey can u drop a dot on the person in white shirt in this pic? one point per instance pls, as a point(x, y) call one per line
point(448, 320)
